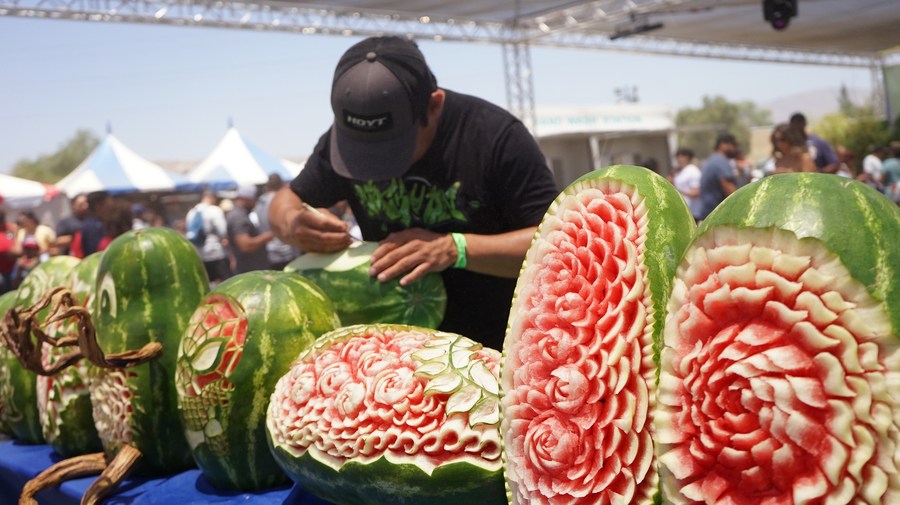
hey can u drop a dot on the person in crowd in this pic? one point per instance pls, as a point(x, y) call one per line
point(872, 166)
point(117, 219)
point(686, 179)
point(213, 251)
point(890, 171)
point(67, 226)
point(278, 252)
point(845, 162)
point(87, 240)
point(248, 243)
point(717, 179)
point(820, 151)
point(180, 225)
point(444, 181)
point(144, 217)
point(790, 151)
point(7, 259)
point(32, 245)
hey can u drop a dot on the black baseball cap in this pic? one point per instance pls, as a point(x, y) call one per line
point(379, 95)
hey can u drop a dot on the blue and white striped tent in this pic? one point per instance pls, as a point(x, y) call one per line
point(236, 161)
point(115, 168)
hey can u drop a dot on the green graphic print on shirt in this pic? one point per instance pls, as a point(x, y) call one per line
point(411, 203)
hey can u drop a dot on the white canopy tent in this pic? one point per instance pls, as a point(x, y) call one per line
point(115, 168)
point(236, 161)
point(18, 193)
point(47, 202)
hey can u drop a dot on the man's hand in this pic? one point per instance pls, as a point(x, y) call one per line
point(413, 252)
point(309, 229)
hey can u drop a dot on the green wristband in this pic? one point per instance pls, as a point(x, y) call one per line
point(460, 240)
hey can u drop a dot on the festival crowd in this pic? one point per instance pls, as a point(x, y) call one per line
point(236, 236)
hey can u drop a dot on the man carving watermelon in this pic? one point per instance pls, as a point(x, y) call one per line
point(446, 182)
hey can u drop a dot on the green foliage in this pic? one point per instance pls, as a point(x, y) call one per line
point(699, 127)
point(855, 127)
point(50, 168)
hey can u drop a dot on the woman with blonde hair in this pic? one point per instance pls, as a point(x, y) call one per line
point(790, 150)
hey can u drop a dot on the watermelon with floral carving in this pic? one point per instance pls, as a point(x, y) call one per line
point(64, 400)
point(581, 351)
point(241, 339)
point(780, 375)
point(391, 414)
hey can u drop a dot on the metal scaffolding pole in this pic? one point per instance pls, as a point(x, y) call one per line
point(519, 88)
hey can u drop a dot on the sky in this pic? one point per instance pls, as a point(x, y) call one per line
point(169, 92)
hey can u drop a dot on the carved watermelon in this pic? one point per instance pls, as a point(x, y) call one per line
point(391, 414)
point(579, 359)
point(240, 340)
point(7, 302)
point(361, 299)
point(64, 400)
point(22, 413)
point(148, 284)
point(780, 376)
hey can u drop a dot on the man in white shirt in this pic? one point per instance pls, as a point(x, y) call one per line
point(213, 251)
point(872, 167)
point(686, 178)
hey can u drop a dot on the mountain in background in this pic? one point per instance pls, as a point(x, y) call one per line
point(815, 104)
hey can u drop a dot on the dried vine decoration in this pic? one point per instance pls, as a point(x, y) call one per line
point(18, 326)
point(111, 475)
point(87, 339)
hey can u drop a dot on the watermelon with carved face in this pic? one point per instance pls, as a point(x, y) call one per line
point(240, 340)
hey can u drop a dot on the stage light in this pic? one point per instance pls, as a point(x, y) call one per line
point(779, 12)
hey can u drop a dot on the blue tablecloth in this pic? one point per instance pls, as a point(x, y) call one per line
point(20, 462)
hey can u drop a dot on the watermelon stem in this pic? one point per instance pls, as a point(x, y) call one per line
point(79, 466)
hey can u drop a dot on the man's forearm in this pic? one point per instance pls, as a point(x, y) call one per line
point(285, 205)
point(498, 255)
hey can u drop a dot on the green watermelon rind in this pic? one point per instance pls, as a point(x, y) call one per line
point(249, 463)
point(850, 219)
point(159, 280)
point(383, 482)
point(362, 299)
point(7, 301)
point(76, 436)
point(43, 278)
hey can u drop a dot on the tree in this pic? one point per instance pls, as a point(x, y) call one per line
point(856, 127)
point(50, 168)
point(698, 128)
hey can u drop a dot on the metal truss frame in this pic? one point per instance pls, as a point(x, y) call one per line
point(561, 28)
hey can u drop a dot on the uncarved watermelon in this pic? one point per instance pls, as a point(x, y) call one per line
point(780, 376)
point(361, 299)
point(579, 360)
point(391, 414)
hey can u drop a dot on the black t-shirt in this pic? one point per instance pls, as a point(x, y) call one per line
point(484, 173)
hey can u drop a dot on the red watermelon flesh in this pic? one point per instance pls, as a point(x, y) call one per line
point(779, 374)
point(577, 418)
